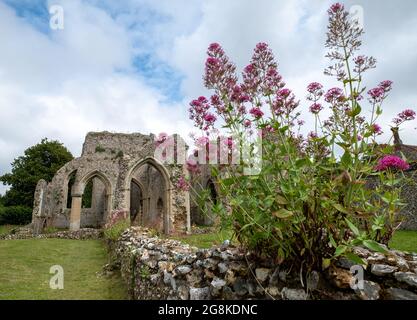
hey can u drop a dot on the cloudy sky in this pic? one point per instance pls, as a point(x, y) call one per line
point(133, 65)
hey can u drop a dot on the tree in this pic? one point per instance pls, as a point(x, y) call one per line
point(41, 161)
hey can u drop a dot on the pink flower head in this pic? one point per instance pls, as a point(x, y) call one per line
point(315, 108)
point(312, 135)
point(301, 122)
point(386, 85)
point(377, 94)
point(283, 93)
point(335, 8)
point(247, 123)
point(256, 113)
point(183, 184)
point(314, 87)
point(334, 95)
point(406, 115)
point(360, 60)
point(392, 162)
point(376, 129)
point(210, 118)
point(192, 165)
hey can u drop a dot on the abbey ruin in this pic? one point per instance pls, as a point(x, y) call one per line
point(115, 172)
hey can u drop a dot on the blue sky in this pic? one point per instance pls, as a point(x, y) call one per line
point(133, 65)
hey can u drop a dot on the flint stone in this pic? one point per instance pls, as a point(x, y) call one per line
point(262, 274)
point(382, 269)
point(293, 294)
point(407, 277)
point(400, 294)
point(200, 293)
point(370, 291)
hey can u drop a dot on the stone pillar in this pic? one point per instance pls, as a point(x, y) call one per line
point(75, 217)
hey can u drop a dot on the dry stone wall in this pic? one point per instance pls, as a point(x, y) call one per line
point(155, 268)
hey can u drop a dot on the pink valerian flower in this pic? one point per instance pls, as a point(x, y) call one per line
point(386, 85)
point(192, 166)
point(284, 102)
point(247, 123)
point(376, 129)
point(334, 96)
point(261, 75)
point(315, 88)
point(406, 115)
point(315, 108)
point(363, 63)
point(256, 112)
point(219, 72)
point(376, 95)
point(238, 95)
point(209, 118)
point(392, 162)
point(336, 8)
point(217, 103)
point(301, 122)
point(183, 184)
point(312, 135)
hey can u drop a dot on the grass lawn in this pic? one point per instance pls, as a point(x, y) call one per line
point(25, 265)
point(205, 240)
point(402, 240)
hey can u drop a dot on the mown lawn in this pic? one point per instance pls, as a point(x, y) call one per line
point(25, 266)
point(402, 240)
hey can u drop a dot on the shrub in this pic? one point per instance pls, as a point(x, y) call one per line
point(118, 222)
point(302, 199)
point(113, 232)
point(15, 215)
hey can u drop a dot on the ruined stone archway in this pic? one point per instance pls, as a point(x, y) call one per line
point(77, 196)
point(154, 180)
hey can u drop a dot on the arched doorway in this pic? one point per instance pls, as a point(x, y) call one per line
point(153, 180)
point(91, 201)
point(136, 203)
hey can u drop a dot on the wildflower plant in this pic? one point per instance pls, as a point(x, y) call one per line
point(309, 203)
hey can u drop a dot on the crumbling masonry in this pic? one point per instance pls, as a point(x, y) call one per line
point(116, 172)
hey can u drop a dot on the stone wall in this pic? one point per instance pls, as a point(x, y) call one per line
point(155, 268)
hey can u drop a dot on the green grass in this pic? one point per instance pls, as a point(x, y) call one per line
point(25, 265)
point(5, 229)
point(404, 240)
point(205, 240)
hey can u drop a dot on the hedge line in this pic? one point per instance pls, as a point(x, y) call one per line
point(16, 215)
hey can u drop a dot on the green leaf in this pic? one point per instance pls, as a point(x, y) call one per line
point(352, 227)
point(340, 208)
point(283, 213)
point(281, 199)
point(340, 250)
point(374, 246)
point(355, 258)
point(346, 159)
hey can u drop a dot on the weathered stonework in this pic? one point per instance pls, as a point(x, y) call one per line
point(113, 162)
point(155, 268)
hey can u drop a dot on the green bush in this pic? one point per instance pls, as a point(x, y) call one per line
point(114, 231)
point(15, 215)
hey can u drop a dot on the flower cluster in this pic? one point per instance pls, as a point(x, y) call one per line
point(379, 93)
point(392, 162)
point(406, 115)
point(200, 114)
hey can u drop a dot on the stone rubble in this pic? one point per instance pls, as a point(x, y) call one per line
point(175, 270)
